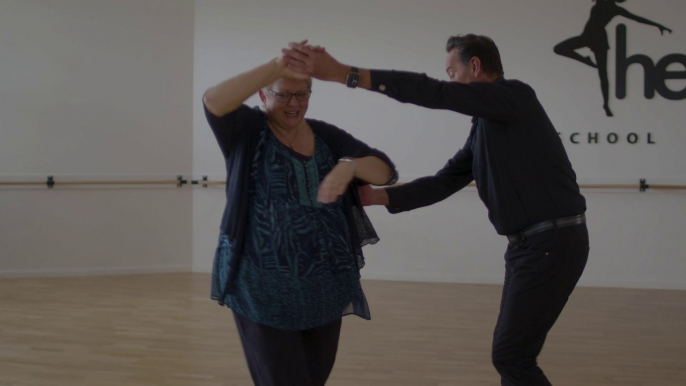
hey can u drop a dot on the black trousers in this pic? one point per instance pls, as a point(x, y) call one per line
point(540, 274)
point(288, 358)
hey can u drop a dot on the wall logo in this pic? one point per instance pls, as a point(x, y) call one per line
point(595, 37)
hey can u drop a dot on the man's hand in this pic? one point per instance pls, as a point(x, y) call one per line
point(336, 182)
point(370, 196)
point(285, 72)
point(314, 61)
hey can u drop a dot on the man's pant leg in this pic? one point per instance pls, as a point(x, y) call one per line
point(541, 273)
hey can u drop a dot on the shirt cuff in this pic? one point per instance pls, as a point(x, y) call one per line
point(392, 206)
point(382, 80)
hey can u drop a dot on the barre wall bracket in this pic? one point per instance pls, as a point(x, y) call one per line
point(644, 186)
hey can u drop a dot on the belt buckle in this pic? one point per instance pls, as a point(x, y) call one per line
point(518, 238)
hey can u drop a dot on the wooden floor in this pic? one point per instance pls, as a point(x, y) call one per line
point(163, 330)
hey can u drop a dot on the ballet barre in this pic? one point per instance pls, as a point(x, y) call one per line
point(179, 182)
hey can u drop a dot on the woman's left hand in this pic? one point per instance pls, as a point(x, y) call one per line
point(336, 182)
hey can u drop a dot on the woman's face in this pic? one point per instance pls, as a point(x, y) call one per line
point(286, 113)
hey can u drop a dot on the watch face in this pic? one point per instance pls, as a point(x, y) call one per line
point(352, 80)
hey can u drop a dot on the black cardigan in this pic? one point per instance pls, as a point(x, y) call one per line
point(237, 134)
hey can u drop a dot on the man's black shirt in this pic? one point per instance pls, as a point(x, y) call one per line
point(513, 152)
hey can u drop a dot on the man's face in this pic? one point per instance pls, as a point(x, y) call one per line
point(458, 71)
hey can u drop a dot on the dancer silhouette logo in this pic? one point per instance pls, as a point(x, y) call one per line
point(595, 38)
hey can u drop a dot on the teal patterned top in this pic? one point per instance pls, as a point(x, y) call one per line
point(297, 269)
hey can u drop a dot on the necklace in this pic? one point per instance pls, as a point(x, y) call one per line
point(290, 142)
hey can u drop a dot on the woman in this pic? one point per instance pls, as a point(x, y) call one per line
point(594, 37)
point(289, 251)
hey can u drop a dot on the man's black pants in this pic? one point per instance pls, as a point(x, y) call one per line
point(540, 274)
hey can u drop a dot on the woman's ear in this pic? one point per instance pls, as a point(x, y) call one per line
point(263, 98)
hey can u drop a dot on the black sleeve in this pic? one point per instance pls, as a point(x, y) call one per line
point(230, 128)
point(425, 191)
point(486, 100)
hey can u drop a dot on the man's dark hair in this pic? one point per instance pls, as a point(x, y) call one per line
point(483, 47)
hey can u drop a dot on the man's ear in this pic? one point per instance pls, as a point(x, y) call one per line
point(475, 66)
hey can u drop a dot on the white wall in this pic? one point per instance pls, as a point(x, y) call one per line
point(636, 237)
point(101, 90)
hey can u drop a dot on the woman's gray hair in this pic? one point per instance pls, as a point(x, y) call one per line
point(309, 84)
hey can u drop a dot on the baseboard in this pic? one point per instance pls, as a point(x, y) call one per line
point(498, 279)
point(69, 272)
point(371, 275)
point(633, 284)
point(584, 282)
point(202, 268)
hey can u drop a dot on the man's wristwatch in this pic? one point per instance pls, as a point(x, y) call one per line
point(353, 77)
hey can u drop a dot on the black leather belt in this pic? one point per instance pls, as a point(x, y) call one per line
point(527, 232)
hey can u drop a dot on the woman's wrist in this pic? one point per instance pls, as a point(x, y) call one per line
point(278, 69)
point(350, 162)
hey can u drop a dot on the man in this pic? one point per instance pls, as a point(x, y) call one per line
point(522, 173)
